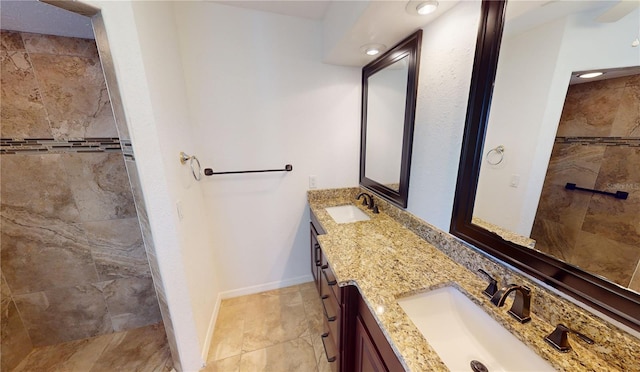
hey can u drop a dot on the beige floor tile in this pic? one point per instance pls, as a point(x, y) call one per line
point(309, 293)
point(231, 364)
point(231, 316)
point(318, 348)
point(306, 286)
point(234, 301)
point(324, 365)
point(294, 355)
point(226, 342)
point(273, 308)
point(282, 292)
point(276, 326)
point(273, 326)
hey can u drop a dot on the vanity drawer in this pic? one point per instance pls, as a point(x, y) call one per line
point(332, 352)
point(330, 279)
point(332, 315)
point(316, 256)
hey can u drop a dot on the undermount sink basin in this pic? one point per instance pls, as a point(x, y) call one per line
point(347, 214)
point(461, 332)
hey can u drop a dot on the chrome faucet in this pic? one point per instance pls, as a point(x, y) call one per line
point(370, 203)
point(521, 303)
point(560, 340)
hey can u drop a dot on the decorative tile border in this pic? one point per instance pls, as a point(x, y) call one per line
point(602, 141)
point(9, 146)
point(127, 150)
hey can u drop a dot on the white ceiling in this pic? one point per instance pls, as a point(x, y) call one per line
point(37, 17)
point(310, 9)
point(379, 22)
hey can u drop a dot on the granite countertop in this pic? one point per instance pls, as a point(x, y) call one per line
point(387, 261)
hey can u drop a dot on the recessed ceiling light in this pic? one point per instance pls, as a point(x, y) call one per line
point(427, 7)
point(421, 7)
point(372, 49)
point(590, 75)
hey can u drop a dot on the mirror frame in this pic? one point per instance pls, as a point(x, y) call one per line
point(607, 297)
point(409, 47)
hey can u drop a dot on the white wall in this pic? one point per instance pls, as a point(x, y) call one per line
point(261, 98)
point(527, 106)
point(446, 63)
point(143, 42)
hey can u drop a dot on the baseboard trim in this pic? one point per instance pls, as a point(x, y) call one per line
point(212, 326)
point(265, 287)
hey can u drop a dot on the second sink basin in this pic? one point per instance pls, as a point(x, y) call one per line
point(461, 332)
point(347, 214)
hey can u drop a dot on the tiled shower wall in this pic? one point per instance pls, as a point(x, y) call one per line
point(597, 147)
point(72, 250)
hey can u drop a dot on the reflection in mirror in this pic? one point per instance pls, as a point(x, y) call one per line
point(542, 53)
point(584, 243)
point(595, 148)
point(389, 89)
point(386, 98)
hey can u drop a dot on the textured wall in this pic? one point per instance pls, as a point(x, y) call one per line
point(72, 251)
point(448, 46)
point(597, 148)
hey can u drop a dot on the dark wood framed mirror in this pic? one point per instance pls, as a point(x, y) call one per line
point(595, 291)
point(389, 90)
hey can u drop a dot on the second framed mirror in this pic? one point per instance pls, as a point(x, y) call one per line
point(389, 90)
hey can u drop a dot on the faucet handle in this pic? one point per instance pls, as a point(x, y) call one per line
point(492, 288)
point(559, 338)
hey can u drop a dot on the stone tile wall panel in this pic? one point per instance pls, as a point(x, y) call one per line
point(72, 248)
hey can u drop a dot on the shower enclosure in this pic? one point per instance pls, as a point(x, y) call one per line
point(74, 260)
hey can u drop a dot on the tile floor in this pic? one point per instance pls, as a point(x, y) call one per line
point(142, 349)
point(275, 331)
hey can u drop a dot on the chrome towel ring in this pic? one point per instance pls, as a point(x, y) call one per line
point(193, 164)
point(495, 156)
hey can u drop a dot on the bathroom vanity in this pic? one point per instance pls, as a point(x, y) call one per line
point(352, 339)
point(362, 269)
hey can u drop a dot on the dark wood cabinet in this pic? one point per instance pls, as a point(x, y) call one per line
point(372, 351)
point(331, 297)
point(352, 339)
point(316, 255)
point(366, 357)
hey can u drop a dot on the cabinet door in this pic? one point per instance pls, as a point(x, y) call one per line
point(373, 351)
point(366, 356)
point(316, 261)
